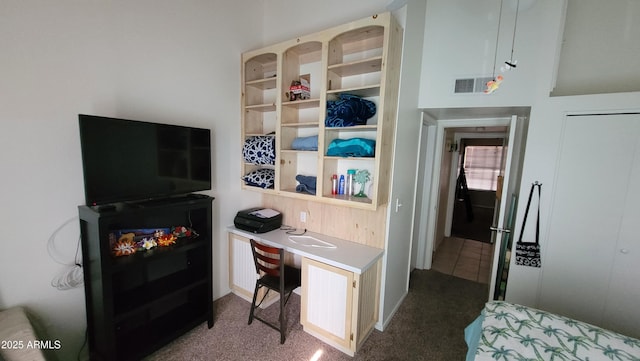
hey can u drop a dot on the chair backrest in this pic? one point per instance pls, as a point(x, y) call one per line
point(267, 259)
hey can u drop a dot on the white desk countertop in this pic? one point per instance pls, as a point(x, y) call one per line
point(351, 256)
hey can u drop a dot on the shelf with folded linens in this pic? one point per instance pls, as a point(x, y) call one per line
point(350, 69)
point(259, 119)
point(355, 75)
point(300, 118)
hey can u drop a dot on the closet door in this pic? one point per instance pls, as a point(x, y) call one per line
point(621, 309)
point(589, 203)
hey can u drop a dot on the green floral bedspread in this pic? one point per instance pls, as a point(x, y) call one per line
point(514, 332)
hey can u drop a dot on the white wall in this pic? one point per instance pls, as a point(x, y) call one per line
point(613, 29)
point(165, 61)
point(397, 258)
point(541, 156)
point(288, 19)
point(460, 47)
point(460, 41)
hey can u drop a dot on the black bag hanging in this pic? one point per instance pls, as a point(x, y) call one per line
point(528, 253)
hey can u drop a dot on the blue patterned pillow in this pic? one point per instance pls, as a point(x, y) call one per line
point(260, 150)
point(263, 178)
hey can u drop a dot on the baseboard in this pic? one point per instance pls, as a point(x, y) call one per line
point(382, 324)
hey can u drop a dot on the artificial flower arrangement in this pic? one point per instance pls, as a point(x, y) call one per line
point(126, 242)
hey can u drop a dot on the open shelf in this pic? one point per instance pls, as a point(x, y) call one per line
point(361, 91)
point(357, 67)
point(263, 84)
point(159, 325)
point(302, 104)
point(267, 107)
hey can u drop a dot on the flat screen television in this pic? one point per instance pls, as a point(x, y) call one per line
point(129, 160)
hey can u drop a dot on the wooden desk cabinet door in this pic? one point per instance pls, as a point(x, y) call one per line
point(242, 271)
point(338, 306)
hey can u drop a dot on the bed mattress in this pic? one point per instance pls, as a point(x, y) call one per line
point(506, 331)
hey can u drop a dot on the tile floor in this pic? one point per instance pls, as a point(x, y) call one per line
point(464, 258)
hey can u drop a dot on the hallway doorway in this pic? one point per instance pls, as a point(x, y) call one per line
point(437, 207)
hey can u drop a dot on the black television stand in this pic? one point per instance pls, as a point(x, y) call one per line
point(154, 202)
point(138, 303)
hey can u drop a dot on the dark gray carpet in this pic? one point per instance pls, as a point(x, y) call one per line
point(429, 325)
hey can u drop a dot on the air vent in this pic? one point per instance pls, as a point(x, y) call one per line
point(471, 85)
point(464, 85)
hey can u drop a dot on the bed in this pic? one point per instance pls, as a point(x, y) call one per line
point(506, 331)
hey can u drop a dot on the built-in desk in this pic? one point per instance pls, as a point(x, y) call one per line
point(350, 256)
point(340, 282)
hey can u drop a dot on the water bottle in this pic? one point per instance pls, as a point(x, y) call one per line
point(351, 173)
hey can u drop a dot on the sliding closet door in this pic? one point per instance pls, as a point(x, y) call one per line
point(592, 200)
point(621, 309)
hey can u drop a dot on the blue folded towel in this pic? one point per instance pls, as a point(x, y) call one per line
point(349, 110)
point(354, 147)
point(305, 143)
point(307, 184)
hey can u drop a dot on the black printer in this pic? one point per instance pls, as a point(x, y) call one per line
point(258, 220)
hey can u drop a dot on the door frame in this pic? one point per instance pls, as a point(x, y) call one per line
point(431, 198)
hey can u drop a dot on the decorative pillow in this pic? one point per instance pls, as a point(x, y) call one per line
point(348, 111)
point(263, 178)
point(260, 150)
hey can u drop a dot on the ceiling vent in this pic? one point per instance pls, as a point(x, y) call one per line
point(471, 85)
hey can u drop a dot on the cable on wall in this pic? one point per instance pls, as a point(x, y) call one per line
point(494, 83)
point(71, 276)
point(511, 64)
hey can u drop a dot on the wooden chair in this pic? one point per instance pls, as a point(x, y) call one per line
point(274, 275)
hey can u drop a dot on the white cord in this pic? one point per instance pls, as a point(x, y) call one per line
point(71, 276)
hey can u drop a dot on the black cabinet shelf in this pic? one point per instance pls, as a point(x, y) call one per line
point(138, 303)
point(182, 245)
point(145, 296)
point(134, 341)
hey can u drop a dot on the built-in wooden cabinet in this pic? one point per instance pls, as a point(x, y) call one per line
point(340, 289)
point(339, 306)
point(361, 58)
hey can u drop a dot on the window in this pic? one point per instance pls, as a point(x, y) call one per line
point(482, 166)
